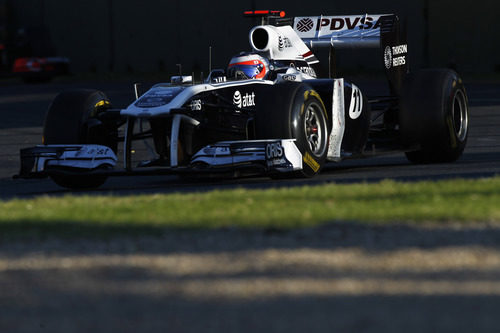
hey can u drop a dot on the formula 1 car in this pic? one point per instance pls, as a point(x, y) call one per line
point(268, 113)
point(30, 56)
point(32, 69)
point(40, 69)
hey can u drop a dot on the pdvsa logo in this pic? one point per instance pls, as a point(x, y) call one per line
point(305, 25)
point(348, 23)
point(243, 101)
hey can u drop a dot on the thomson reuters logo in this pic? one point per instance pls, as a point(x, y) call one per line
point(305, 25)
point(388, 57)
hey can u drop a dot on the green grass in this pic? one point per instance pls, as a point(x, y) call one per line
point(385, 202)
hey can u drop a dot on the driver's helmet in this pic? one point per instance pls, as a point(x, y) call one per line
point(247, 66)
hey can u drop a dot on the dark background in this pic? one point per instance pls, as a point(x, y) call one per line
point(132, 36)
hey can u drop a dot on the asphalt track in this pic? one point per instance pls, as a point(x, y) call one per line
point(22, 109)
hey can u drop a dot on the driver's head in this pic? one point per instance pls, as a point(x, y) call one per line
point(247, 66)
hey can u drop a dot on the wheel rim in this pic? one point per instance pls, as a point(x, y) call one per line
point(314, 130)
point(460, 115)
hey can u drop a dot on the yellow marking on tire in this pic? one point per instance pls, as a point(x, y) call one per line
point(309, 93)
point(315, 94)
point(101, 103)
point(309, 160)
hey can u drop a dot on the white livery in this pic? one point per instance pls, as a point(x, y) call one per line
point(273, 110)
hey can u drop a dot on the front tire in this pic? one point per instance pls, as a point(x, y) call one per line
point(295, 111)
point(68, 121)
point(434, 116)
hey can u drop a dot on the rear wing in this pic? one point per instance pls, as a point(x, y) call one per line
point(381, 31)
point(353, 31)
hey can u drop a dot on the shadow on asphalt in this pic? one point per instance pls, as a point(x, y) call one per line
point(373, 237)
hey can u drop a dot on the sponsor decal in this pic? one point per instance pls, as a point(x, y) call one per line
point(309, 160)
point(356, 106)
point(399, 61)
point(243, 101)
point(348, 23)
point(275, 154)
point(289, 77)
point(305, 25)
point(338, 26)
point(283, 43)
point(158, 97)
point(102, 151)
point(94, 151)
point(400, 49)
point(388, 57)
point(274, 150)
point(395, 56)
point(237, 98)
point(307, 70)
point(195, 105)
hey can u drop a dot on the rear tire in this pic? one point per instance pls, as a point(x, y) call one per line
point(295, 111)
point(68, 121)
point(434, 116)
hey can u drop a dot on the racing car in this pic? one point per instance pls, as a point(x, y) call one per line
point(30, 56)
point(267, 113)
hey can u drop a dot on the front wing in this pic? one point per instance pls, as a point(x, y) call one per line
point(257, 156)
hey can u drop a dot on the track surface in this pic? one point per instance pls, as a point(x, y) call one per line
point(22, 109)
point(340, 277)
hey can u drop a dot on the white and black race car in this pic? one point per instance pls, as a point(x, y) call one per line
point(267, 113)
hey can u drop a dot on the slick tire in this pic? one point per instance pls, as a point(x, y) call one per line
point(70, 119)
point(295, 111)
point(434, 116)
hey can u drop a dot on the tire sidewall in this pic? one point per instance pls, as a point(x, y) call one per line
point(66, 121)
point(455, 87)
point(426, 116)
point(305, 98)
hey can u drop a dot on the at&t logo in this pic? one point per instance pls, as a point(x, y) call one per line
point(243, 101)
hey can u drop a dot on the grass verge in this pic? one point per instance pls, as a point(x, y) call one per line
point(385, 202)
